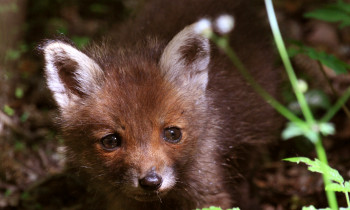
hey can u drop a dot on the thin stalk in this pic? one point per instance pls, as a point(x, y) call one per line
point(347, 199)
point(321, 153)
point(345, 109)
point(284, 55)
point(334, 109)
point(222, 42)
point(300, 97)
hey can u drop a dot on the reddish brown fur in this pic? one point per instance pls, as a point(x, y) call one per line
point(137, 101)
point(138, 113)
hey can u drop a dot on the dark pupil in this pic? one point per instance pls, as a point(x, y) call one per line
point(172, 134)
point(110, 141)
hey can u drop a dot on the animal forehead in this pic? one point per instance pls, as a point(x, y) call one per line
point(138, 92)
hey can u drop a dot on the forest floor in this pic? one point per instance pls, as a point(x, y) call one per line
point(31, 150)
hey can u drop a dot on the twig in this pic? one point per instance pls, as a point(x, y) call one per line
point(346, 110)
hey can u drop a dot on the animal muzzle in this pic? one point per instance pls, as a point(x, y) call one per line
point(152, 181)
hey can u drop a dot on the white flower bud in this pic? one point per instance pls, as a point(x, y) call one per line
point(302, 85)
point(225, 23)
point(203, 27)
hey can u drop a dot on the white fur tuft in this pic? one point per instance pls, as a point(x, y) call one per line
point(173, 63)
point(168, 179)
point(87, 72)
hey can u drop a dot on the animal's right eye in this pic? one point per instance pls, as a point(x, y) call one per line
point(172, 135)
point(111, 142)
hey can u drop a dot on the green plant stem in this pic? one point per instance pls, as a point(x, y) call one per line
point(333, 110)
point(300, 97)
point(222, 42)
point(289, 69)
point(321, 153)
point(346, 110)
point(347, 198)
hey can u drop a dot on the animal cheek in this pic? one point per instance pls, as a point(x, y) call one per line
point(169, 178)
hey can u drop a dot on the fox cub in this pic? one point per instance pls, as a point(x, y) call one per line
point(158, 117)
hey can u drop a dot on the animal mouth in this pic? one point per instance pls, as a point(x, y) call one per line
point(149, 196)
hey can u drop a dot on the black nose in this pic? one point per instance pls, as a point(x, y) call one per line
point(152, 181)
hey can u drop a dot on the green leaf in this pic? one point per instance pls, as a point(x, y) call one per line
point(19, 146)
point(216, 208)
point(8, 110)
point(9, 7)
point(337, 65)
point(81, 41)
point(99, 8)
point(293, 51)
point(328, 14)
point(211, 208)
point(298, 129)
point(291, 131)
point(24, 116)
point(347, 186)
point(336, 12)
point(299, 159)
point(8, 192)
point(318, 166)
point(12, 54)
point(19, 92)
point(322, 168)
point(336, 187)
point(308, 208)
point(25, 196)
point(327, 129)
point(312, 135)
point(343, 24)
point(313, 208)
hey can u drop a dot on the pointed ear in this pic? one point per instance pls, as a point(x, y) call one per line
point(186, 58)
point(70, 73)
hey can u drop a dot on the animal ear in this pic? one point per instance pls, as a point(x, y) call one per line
point(70, 73)
point(186, 58)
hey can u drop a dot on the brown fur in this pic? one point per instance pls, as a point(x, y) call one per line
point(137, 100)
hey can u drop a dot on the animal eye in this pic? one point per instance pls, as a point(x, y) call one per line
point(111, 142)
point(172, 134)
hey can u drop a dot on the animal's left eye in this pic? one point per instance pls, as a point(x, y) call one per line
point(172, 135)
point(111, 142)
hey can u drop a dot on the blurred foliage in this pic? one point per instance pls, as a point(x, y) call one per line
point(50, 19)
point(9, 8)
point(19, 92)
point(317, 99)
point(80, 41)
point(337, 65)
point(14, 54)
point(8, 110)
point(338, 12)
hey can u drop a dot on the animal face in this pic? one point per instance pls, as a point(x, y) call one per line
point(132, 123)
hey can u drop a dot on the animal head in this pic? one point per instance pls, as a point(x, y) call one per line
point(132, 118)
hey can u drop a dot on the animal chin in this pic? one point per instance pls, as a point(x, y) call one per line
point(148, 197)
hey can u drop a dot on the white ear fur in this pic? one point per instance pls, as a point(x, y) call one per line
point(70, 73)
point(186, 58)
